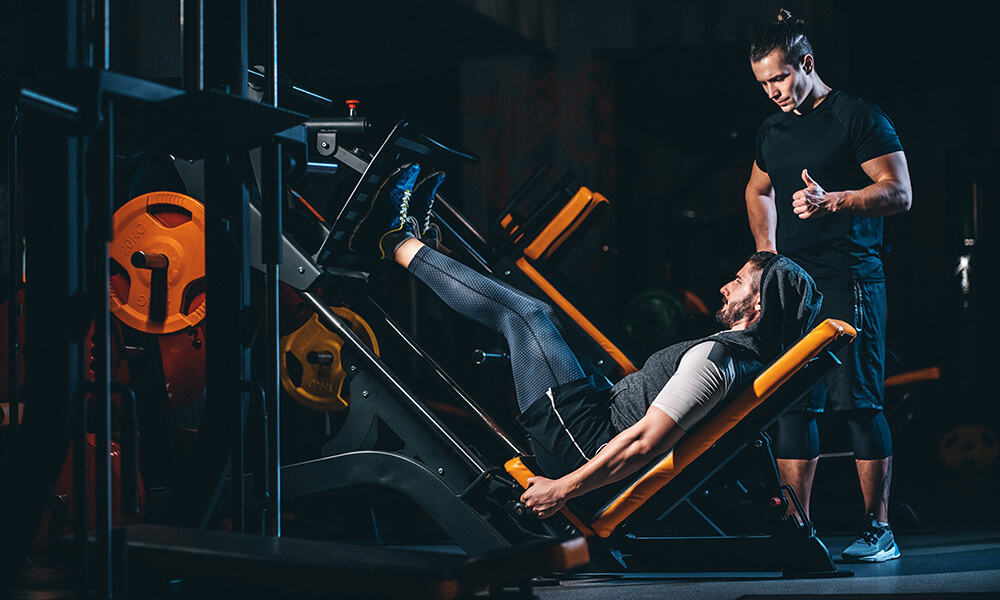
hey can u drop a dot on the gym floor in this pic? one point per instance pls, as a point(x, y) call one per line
point(944, 564)
point(940, 565)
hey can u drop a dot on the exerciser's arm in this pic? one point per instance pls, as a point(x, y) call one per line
point(760, 209)
point(702, 378)
point(625, 454)
point(888, 194)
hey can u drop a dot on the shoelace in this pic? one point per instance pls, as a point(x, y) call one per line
point(427, 218)
point(428, 182)
point(405, 204)
point(871, 534)
point(435, 232)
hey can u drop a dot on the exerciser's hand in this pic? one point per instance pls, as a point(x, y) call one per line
point(813, 201)
point(544, 497)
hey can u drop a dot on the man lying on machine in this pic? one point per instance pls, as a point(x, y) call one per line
point(585, 432)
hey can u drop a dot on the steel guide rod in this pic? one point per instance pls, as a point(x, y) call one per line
point(449, 383)
point(381, 372)
point(445, 213)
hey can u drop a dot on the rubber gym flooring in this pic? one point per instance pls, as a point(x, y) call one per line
point(939, 565)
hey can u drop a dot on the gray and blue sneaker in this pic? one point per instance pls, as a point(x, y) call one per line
point(422, 201)
point(875, 543)
point(388, 223)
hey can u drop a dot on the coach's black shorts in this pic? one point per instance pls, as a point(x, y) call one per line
point(859, 381)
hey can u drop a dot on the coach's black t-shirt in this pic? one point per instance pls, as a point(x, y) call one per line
point(831, 141)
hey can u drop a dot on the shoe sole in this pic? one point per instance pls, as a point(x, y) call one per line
point(887, 554)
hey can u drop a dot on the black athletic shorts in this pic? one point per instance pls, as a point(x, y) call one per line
point(568, 426)
point(859, 381)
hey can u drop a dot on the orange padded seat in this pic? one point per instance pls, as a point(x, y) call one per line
point(706, 433)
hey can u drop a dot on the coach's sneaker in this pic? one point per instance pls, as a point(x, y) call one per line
point(422, 201)
point(875, 543)
point(388, 223)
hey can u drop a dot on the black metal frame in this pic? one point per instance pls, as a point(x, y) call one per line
point(72, 104)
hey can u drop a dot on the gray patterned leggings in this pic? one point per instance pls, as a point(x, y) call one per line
point(540, 354)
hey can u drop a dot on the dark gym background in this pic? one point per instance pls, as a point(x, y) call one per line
point(652, 103)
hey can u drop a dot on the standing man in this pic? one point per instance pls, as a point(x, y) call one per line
point(828, 167)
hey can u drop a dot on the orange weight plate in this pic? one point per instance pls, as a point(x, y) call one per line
point(160, 228)
point(311, 372)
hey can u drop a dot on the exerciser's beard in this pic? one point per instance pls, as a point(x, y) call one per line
point(734, 312)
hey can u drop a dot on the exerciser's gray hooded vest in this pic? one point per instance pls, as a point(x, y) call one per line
point(789, 303)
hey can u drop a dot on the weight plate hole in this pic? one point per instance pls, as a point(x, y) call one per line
point(169, 215)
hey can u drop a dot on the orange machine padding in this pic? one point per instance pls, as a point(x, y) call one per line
point(509, 225)
point(708, 433)
point(520, 472)
point(569, 218)
point(625, 366)
point(507, 220)
point(928, 374)
point(702, 438)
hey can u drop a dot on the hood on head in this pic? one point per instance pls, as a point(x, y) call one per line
point(789, 304)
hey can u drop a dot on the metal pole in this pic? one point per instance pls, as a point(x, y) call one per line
point(81, 56)
point(15, 272)
point(193, 44)
point(101, 216)
point(271, 250)
point(224, 25)
point(100, 208)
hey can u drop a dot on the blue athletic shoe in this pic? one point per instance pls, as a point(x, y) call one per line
point(422, 201)
point(875, 543)
point(388, 223)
